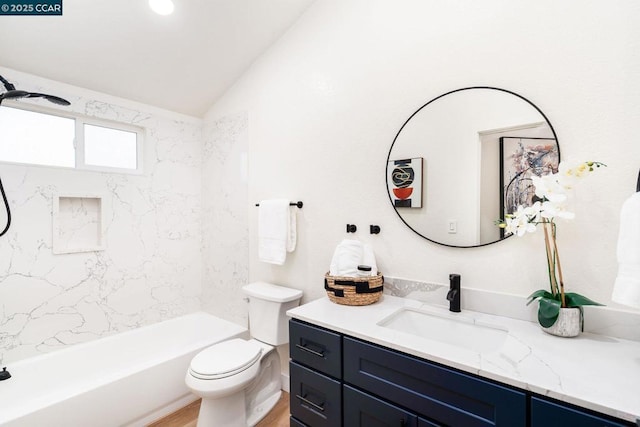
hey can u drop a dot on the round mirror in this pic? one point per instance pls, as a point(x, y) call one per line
point(464, 160)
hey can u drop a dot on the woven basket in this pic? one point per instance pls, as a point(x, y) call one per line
point(354, 290)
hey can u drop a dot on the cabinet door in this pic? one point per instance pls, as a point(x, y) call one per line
point(426, 423)
point(316, 348)
point(295, 423)
point(442, 394)
point(315, 399)
point(551, 414)
point(363, 410)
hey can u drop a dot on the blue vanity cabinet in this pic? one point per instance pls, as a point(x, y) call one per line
point(545, 413)
point(315, 373)
point(363, 410)
point(316, 348)
point(440, 394)
point(426, 423)
point(315, 399)
point(295, 423)
point(337, 380)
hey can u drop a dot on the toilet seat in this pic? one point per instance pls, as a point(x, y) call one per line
point(225, 359)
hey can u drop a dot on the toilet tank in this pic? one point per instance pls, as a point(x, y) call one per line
point(268, 305)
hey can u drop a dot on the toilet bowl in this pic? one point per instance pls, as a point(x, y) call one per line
point(239, 380)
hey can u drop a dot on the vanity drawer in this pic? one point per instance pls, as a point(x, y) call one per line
point(316, 348)
point(363, 410)
point(441, 394)
point(315, 399)
point(545, 413)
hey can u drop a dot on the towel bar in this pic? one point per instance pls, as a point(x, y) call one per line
point(298, 204)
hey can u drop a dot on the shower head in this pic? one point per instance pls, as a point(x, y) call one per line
point(50, 98)
point(12, 93)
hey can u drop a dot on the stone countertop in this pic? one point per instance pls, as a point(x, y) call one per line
point(592, 371)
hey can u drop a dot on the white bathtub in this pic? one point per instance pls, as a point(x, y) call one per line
point(127, 379)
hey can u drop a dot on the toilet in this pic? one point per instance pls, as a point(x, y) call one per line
point(239, 380)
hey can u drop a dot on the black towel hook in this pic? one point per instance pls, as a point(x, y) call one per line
point(638, 184)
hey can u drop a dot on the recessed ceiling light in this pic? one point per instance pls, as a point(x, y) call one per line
point(161, 7)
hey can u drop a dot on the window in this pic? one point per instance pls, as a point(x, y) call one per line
point(44, 138)
point(41, 139)
point(110, 147)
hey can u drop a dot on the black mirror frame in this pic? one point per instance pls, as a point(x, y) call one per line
point(416, 112)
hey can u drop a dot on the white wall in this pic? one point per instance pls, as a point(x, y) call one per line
point(325, 102)
point(151, 268)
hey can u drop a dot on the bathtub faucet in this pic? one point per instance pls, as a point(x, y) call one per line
point(4, 375)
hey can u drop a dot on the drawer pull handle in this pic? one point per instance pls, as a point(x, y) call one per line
point(308, 402)
point(307, 349)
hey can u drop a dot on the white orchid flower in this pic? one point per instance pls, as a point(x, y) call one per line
point(570, 171)
point(524, 220)
point(547, 187)
point(553, 190)
point(573, 169)
point(551, 210)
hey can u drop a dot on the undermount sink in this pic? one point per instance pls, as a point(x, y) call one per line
point(453, 329)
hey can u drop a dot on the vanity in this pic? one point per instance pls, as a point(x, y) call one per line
point(409, 362)
point(382, 365)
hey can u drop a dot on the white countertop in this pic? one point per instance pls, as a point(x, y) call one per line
point(592, 371)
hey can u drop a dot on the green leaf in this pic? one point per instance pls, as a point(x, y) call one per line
point(548, 311)
point(540, 293)
point(576, 300)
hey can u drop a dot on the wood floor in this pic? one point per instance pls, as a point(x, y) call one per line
point(188, 416)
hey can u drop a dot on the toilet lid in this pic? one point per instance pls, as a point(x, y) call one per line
point(225, 359)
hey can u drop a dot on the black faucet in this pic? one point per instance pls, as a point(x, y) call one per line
point(4, 375)
point(454, 293)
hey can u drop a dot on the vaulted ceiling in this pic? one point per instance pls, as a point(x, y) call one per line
point(182, 62)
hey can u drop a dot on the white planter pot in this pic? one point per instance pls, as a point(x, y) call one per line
point(568, 324)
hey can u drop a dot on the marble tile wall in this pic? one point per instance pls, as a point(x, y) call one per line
point(225, 205)
point(150, 269)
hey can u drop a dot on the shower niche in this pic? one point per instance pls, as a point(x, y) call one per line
point(77, 223)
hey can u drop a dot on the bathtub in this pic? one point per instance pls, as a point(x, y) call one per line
point(127, 379)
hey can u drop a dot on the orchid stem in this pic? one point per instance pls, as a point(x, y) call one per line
point(557, 264)
point(550, 261)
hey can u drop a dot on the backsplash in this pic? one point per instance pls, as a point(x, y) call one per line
point(598, 320)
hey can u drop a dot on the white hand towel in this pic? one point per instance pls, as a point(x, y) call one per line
point(346, 258)
point(292, 234)
point(626, 289)
point(274, 231)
